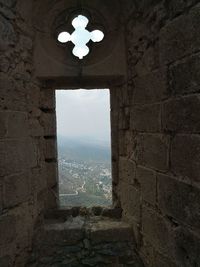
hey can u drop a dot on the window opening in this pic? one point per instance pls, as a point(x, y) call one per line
point(84, 149)
point(81, 36)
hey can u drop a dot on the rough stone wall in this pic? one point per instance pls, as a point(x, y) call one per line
point(85, 241)
point(22, 163)
point(159, 142)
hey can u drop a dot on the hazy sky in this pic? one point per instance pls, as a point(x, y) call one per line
point(83, 113)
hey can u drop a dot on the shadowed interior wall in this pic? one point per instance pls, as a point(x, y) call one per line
point(159, 142)
point(152, 68)
point(22, 165)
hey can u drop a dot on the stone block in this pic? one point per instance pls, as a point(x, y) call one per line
point(38, 179)
point(4, 64)
point(156, 230)
point(67, 233)
point(110, 231)
point(147, 181)
point(146, 118)
point(5, 261)
point(124, 143)
point(13, 124)
point(180, 37)
point(8, 35)
point(17, 155)
point(182, 115)
point(177, 7)
point(185, 76)
point(51, 173)
point(8, 3)
point(35, 129)
point(13, 94)
point(124, 118)
point(1, 196)
point(161, 260)
point(51, 198)
point(150, 88)
point(127, 170)
point(50, 151)
point(16, 189)
point(7, 229)
point(47, 99)
point(179, 200)
point(152, 150)
point(185, 156)
point(186, 247)
point(7, 12)
point(130, 201)
point(48, 121)
point(149, 61)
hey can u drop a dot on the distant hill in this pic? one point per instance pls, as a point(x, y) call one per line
point(84, 149)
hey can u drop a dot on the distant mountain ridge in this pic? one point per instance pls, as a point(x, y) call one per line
point(84, 149)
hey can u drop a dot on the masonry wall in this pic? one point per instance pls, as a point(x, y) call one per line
point(159, 141)
point(22, 163)
point(155, 120)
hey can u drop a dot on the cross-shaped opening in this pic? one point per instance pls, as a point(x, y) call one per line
point(81, 36)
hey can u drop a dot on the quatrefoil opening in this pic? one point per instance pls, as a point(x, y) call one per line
point(81, 36)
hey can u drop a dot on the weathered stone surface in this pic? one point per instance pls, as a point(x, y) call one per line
point(130, 200)
point(157, 231)
point(112, 231)
point(179, 200)
point(25, 43)
point(127, 170)
point(149, 61)
point(50, 151)
point(161, 260)
point(177, 7)
point(35, 128)
point(4, 64)
point(124, 118)
point(67, 233)
point(152, 151)
point(6, 12)
point(16, 156)
point(47, 99)
point(180, 37)
point(38, 179)
point(1, 196)
point(48, 121)
point(13, 96)
point(185, 156)
point(187, 248)
point(7, 35)
point(8, 3)
point(182, 115)
point(147, 181)
point(13, 124)
point(51, 173)
point(150, 88)
point(185, 76)
point(5, 261)
point(16, 189)
point(7, 229)
point(146, 118)
point(104, 243)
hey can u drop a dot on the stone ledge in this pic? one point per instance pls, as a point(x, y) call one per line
point(85, 241)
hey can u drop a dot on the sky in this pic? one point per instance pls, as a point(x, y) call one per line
point(83, 114)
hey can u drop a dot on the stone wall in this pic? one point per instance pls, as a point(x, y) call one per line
point(22, 164)
point(159, 142)
point(85, 241)
point(155, 126)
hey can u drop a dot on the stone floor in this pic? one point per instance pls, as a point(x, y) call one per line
point(82, 241)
